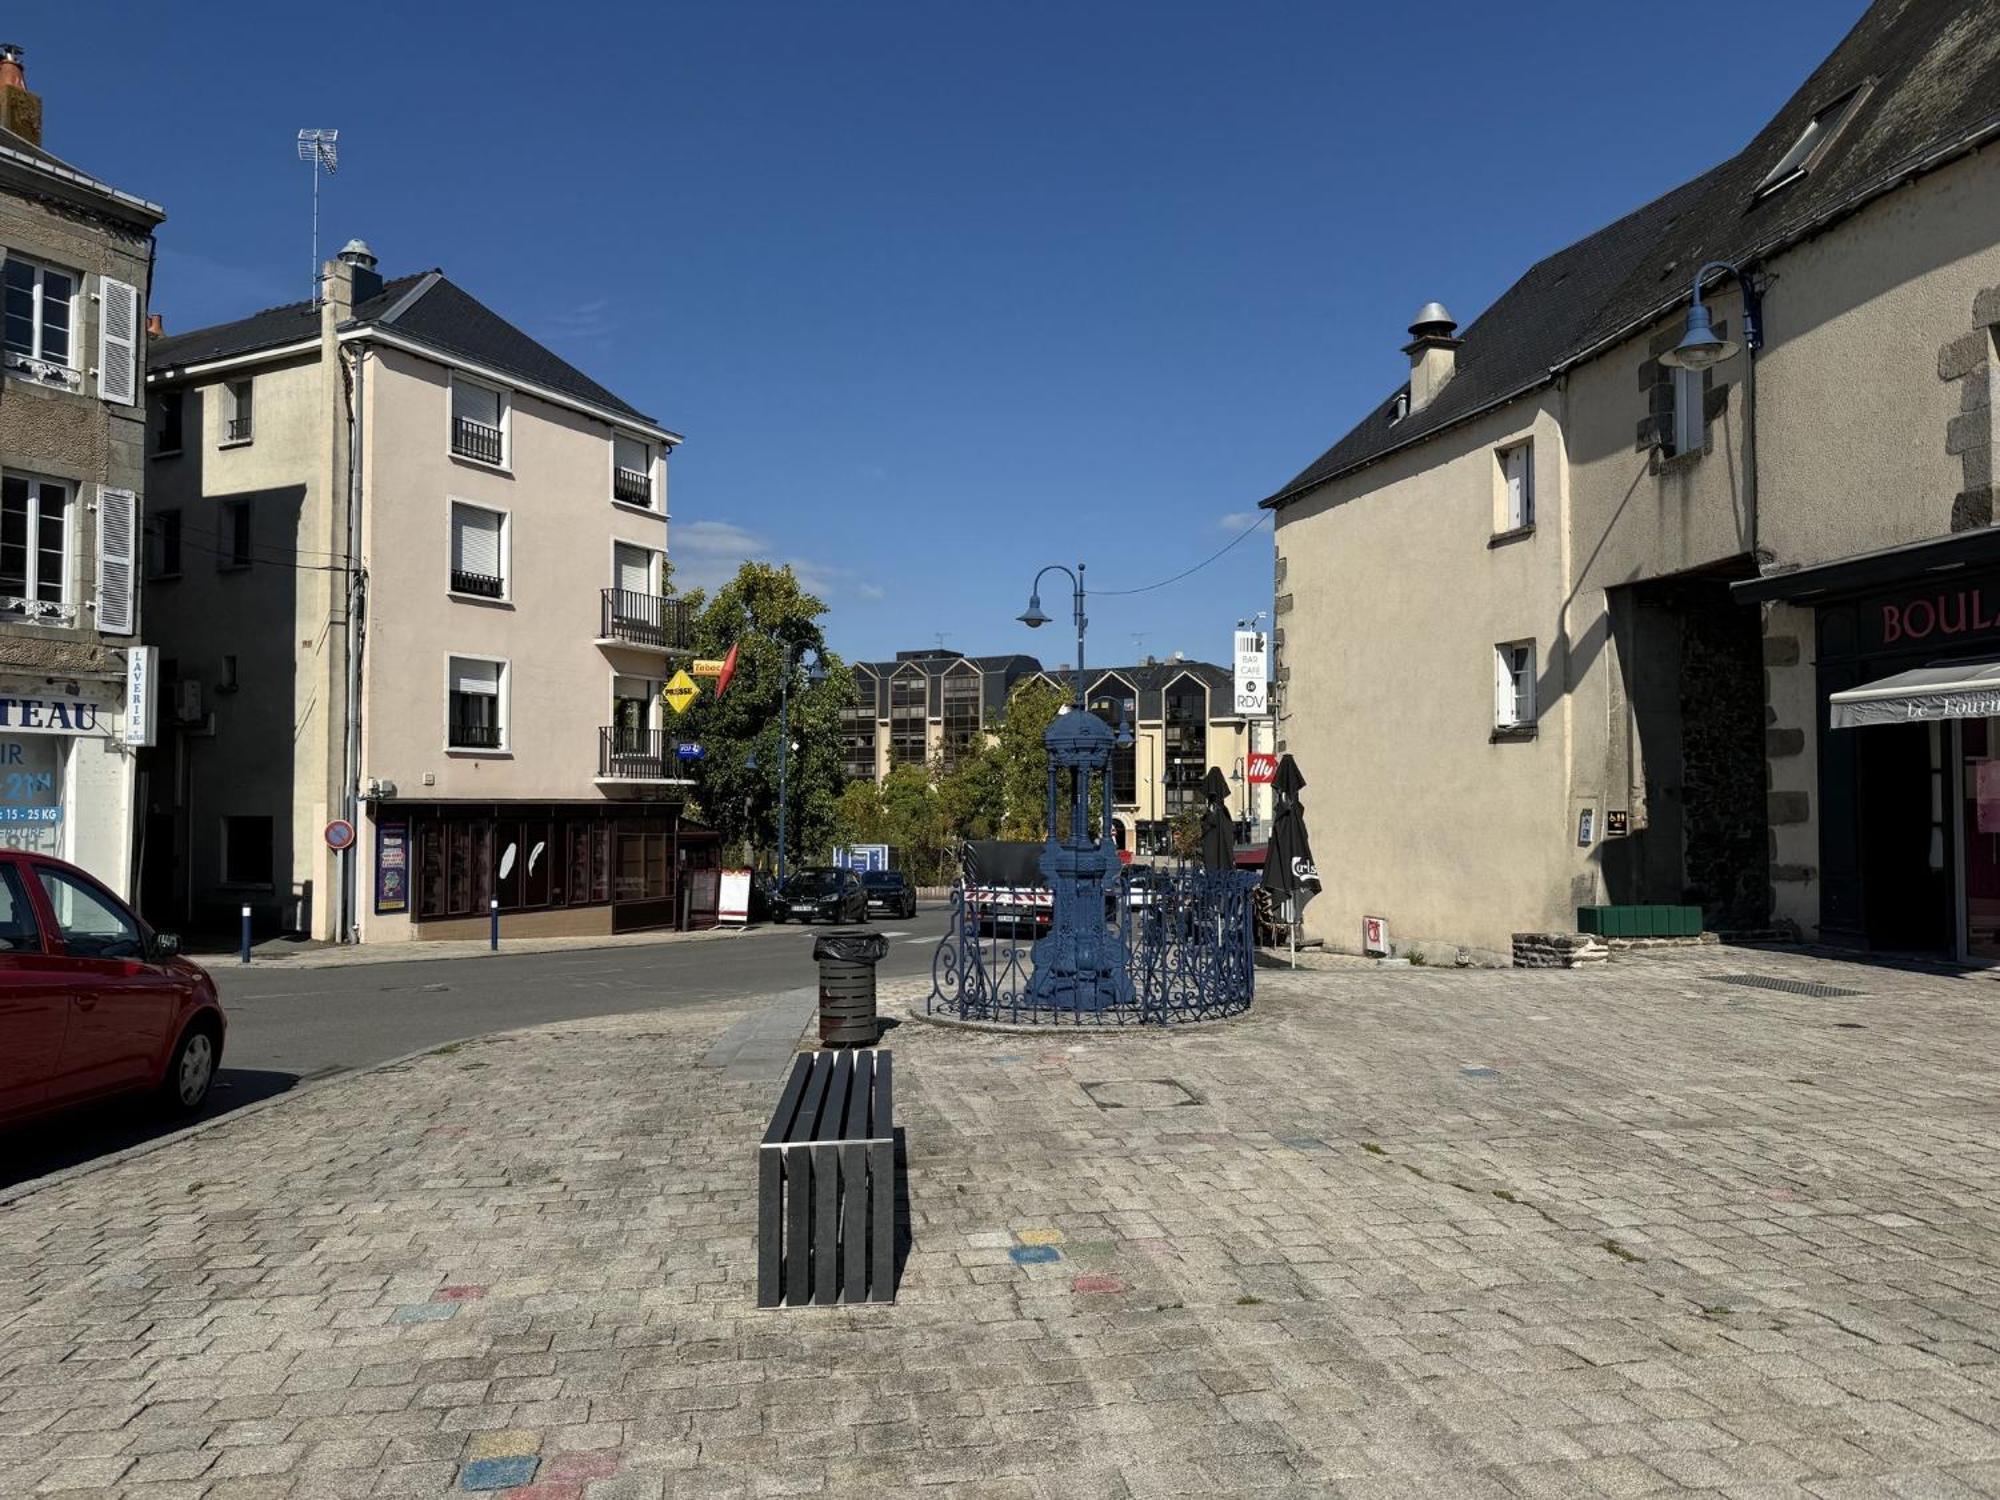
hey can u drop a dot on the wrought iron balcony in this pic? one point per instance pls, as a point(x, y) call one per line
point(628, 753)
point(239, 430)
point(475, 736)
point(633, 486)
point(471, 439)
point(484, 585)
point(41, 611)
point(657, 621)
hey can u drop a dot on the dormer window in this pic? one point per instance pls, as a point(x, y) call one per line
point(1810, 148)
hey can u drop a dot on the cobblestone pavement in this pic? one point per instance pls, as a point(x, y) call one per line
point(1412, 1233)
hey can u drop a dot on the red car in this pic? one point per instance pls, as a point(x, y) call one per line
point(92, 1001)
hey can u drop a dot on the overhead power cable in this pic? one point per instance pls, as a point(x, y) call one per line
point(1257, 525)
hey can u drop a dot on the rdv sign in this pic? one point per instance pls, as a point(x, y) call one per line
point(1253, 672)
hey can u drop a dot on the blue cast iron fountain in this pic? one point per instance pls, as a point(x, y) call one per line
point(1082, 964)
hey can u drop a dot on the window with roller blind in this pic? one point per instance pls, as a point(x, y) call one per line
point(476, 698)
point(478, 551)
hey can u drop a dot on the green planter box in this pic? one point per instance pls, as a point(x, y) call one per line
point(1639, 921)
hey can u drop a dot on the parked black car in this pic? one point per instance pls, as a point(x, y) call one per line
point(890, 893)
point(823, 895)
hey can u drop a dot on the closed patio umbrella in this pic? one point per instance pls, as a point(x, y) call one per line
point(1218, 831)
point(1289, 872)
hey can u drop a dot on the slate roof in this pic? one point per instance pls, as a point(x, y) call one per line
point(426, 307)
point(1936, 93)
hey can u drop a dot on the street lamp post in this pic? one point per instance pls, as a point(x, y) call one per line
point(1702, 347)
point(1033, 618)
point(816, 672)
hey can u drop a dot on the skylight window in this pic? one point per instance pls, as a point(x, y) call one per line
point(1813, 141)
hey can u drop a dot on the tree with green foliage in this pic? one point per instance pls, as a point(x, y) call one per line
point(1024, 759)
point(762, 612)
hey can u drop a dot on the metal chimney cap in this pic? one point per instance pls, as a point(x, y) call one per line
point(11, 52)
point(1432, 318)
point(356, 253)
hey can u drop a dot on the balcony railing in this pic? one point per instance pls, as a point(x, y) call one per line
point(662, 622)
point(632, 486)
point(472, 439)
point(41, 611)
point(475, 736)
point(628, 753)
point(239, 430)
point(483, 584)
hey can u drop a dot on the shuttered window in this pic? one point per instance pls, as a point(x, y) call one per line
point(1517, 471)
point(478, 550)
point(117, 341)
point(117, 538)
point(634, 566)
point(477, 703)
point(39, 311)
point(1514, 685)
point(34, 548)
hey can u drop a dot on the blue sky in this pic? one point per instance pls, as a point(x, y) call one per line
point(937, 292)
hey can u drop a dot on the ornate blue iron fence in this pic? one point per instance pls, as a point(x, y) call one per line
point(1189, 947)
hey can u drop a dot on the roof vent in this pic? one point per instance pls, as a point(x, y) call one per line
point(357, 253)
point(1432, 321)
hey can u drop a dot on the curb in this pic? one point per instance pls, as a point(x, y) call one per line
point(914, 1011)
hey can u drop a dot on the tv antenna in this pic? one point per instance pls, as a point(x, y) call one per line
point(322, 149)
point(941, 637)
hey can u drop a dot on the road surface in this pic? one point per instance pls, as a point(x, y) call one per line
point(289, 1024)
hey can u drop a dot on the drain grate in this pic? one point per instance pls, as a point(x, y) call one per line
point(1807, 987)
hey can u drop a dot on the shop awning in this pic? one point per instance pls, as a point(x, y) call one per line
point(1963, 690)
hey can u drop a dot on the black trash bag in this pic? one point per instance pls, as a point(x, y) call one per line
point(852, 947)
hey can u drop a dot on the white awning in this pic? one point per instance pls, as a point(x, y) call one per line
point(1965, 690)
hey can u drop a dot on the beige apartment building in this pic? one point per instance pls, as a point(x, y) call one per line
point(1563, 623)
point(75, 693)
point(408, 570)
point(928, 708)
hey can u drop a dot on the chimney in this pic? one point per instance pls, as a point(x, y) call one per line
point(20, 110)
point(156, 326)
point(1433, 353)
point(367, 280)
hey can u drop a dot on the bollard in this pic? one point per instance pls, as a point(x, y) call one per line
point(246, 934)
point(493, 913)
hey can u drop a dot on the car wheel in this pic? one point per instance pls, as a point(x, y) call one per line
point(191, 1073)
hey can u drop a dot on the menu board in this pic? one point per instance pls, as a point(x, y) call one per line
point(392, 868)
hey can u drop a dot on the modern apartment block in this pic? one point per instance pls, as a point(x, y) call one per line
point(408, 570)
point(74, 692)
point(929, 708)
point(1567, 621)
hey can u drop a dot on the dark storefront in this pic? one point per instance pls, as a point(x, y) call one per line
point(616, 869)
point(1909, 745)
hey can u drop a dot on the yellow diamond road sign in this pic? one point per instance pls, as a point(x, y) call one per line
point(680, 692)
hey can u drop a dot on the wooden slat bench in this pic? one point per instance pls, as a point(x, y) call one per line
point(826, 1184)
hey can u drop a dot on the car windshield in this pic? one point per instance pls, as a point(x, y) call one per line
point(880, 880)
point(814, 883)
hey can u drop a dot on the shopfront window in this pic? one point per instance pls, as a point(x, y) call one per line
point(31, 809)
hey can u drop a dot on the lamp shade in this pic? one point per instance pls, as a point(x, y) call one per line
point(1032, 616)
point(1700, 346)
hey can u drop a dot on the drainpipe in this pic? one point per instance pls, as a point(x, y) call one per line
point(357, 591)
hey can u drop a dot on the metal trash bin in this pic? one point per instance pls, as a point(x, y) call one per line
point(847, 987)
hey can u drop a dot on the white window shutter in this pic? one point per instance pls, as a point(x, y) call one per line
point(117, 342)
point(1503, 689)
point(117, 525)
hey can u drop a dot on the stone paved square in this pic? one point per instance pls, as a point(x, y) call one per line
point(1422, 1233)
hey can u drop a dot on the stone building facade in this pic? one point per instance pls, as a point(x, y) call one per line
point(1563, 623)
point(75, 699)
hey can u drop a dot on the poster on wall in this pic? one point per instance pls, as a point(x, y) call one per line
point(392, 868)
point(31, 810)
